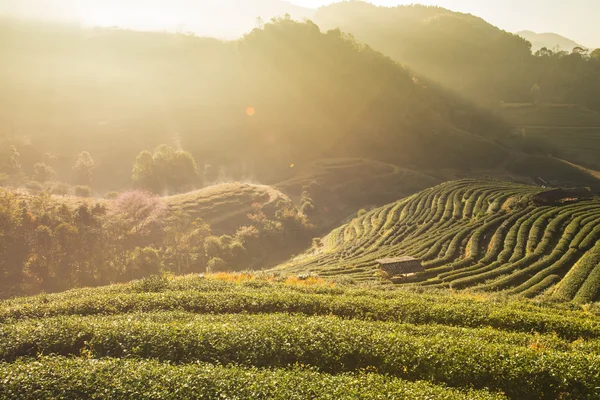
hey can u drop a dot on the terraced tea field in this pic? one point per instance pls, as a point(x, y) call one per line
point(269, 337)
point(485, 235)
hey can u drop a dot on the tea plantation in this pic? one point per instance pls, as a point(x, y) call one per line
point(267, 336)
point(485, 235)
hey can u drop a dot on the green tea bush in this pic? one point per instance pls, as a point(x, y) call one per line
point(460, 358)
point(67, 378)
point(216, 297)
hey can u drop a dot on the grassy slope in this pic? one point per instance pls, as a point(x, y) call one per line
point(573, 132)
point(482, 234)
point(226, 206)
point(234, 335)
point(345, 185)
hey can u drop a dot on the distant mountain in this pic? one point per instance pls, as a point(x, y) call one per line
point(462, 51)
point(550, 41)
point(467, 54)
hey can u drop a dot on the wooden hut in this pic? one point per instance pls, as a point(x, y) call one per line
point(400, 266)
point(557, 196)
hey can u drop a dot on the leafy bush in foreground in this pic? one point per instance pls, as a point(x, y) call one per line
point(441, 355)
point(50, 378)
point(214, 297)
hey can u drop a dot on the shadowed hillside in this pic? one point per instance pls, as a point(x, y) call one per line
point(469, 55)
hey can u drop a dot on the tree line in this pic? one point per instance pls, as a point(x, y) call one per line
point(49, 245)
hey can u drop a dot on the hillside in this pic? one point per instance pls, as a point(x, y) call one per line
point(264, 337)
point(485, 235)
point(467, 54)
point(338, 187)
point(250, 108)
point(225, 207)
point(551, 41)
point(568, 131)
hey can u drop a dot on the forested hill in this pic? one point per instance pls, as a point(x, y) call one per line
point(468, 54)
point(280, 97)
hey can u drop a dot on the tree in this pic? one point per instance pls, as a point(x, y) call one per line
point(136, 209)
point(43, 172)
point(216, 265)
point(13, 166)
point(144, 174)
point(143, 262)
point(84, 168)
point(83, 191)
point(165, 170)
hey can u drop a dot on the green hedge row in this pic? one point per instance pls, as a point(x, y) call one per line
point(266, 298)
point(521, 367)
point(63, 378)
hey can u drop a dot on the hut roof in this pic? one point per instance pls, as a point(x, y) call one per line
point(400, 265)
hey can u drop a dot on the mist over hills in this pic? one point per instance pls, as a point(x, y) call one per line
point(74, 90)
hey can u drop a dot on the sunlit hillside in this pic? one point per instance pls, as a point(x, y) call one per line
point(485, 235)
point(259, 108)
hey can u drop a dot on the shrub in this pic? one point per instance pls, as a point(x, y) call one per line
point(83, 191)
point(111, 195)
point(60, 189)
point(34, 187)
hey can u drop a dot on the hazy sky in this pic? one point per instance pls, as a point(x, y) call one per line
point(576, 19)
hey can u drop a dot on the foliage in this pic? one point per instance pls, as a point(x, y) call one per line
point(244, 293)
point(242, 323)
point(165, 170)
point(354, 102)
point(81, 191)
point(145, 379)
point(136, 210)
point(84, 168)
point(43, 172)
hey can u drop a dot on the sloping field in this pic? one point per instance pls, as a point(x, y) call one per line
point(573, 132)
point(486, 235)
point(252, 337)
point(226, 206)
point(343, 185)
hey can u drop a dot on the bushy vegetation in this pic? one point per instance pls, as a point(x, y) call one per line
point(49, 244)
point(253, 335)
point(145, 379)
